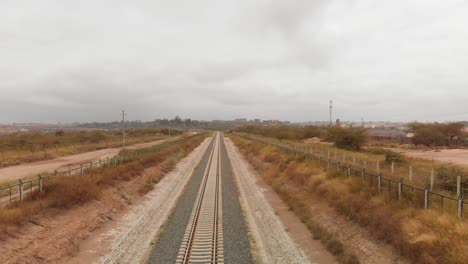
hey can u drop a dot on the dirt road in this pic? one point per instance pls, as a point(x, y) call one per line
point(32, 169)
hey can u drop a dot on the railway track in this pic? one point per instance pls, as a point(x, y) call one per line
point(203, 238)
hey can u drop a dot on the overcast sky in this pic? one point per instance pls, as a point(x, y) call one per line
point(66, 61)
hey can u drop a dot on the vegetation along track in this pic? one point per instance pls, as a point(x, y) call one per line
point(203, 239)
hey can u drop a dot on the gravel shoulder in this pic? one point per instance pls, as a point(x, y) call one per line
point(273, 243)
point(237, 247)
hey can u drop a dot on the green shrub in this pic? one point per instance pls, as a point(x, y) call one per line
point(395, 157)
point(347, 138)
point(447, 177)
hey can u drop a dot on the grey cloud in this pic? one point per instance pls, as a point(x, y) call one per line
point(84, 61)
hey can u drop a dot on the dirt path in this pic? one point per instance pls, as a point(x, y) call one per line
point(32, 169)
point(279, 236)
point(120, 220)
point(455, 156)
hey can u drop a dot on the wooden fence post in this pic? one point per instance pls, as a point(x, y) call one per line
point(426, 197)
point(460, 205)
point(363, 174)
point(40, 183)
point(458, 186)
point(378, 166)
point(432, 180)
point(81, 168)
point(21, 193)
point(393, 168)
point(379, 182)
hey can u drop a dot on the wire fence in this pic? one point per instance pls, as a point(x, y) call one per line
point(23, 189)
point(380, 180)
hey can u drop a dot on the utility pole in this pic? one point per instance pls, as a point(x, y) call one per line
point(123, 128)
point(331, 109)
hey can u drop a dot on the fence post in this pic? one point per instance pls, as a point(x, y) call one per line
point(393, 168)
point(363, 174)
point(379, 182)
point(20, 185)
point(81, 168)
point(91, 165)
point(460, 205)
point(426, 197)
point(400, 188)
point(40, 183)
point(328, 159)
point(410, 173)
point(69, 171)
point(458, 186)
point(354, 159)
point(378, 166)
point(432, 179)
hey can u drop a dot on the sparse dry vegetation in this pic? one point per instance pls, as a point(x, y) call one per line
point(22, 147)
point(423, 236)
point(63, 192)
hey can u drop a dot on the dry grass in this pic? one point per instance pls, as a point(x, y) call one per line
point(423, 236)
point(11, 154)
point(63, 192)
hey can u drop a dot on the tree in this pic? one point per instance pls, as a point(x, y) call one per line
point(436, 134)
point(347, 138)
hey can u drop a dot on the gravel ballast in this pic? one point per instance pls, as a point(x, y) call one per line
point(170, 238)
point(237, 248)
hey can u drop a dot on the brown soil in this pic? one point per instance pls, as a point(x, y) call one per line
point(33, 168)
point(57, 235)
point(455, 156)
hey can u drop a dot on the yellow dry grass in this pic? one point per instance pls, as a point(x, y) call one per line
point(423, 236)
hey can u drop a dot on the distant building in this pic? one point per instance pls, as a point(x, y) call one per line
point(389, 134)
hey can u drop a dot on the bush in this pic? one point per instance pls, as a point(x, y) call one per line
point(447, 177)
point(395, 157)
point(347, 138)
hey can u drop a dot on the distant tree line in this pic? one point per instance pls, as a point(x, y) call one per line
point(438, 134)
point(346, 138)
point(176, 122)
point(284, 132)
